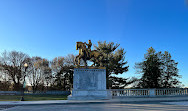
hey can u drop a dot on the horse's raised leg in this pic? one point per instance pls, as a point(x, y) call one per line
point(78, 62)
point(75, 61)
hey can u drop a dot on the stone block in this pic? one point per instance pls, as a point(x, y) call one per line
point(88, 84)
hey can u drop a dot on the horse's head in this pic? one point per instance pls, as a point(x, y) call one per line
point(76, 45)
point(79, 45)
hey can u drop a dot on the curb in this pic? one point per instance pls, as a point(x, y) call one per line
point(94, 102)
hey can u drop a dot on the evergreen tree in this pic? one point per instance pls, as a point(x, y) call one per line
point(150, 70)
point(113, 60)
point(169, 72)
point(158, 70)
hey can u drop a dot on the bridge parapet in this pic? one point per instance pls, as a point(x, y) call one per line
point(149, 92)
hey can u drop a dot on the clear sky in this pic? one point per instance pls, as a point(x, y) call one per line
point(51, 28)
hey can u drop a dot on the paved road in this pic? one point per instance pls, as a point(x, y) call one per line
point(157, 106)
point(5, 106)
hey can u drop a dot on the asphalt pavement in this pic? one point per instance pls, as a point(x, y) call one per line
point(117, 104)
point(146, 106)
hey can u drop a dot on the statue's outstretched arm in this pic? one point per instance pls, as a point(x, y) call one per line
point(86, 43)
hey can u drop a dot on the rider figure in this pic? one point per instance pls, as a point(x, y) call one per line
point(89, 47)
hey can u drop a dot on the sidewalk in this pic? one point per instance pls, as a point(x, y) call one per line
point(33, 102)
point(115, 100)
point(130, 100)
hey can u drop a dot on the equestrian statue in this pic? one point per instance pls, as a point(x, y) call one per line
point(85, 53)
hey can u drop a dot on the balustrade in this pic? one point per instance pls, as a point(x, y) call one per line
point(149, 92)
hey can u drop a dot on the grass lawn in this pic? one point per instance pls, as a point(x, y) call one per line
point(32, 97)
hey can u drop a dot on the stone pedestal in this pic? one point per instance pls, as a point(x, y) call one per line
point(89, 84)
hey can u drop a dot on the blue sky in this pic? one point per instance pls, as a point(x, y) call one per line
point(50, 28)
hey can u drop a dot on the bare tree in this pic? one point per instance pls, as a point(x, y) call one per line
point(12, 63)
point(69, 60)
point(57, 65)
point(69, 70)
point(5, 83)
point(39, 73)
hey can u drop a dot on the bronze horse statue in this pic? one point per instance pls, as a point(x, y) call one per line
point(86, 54)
